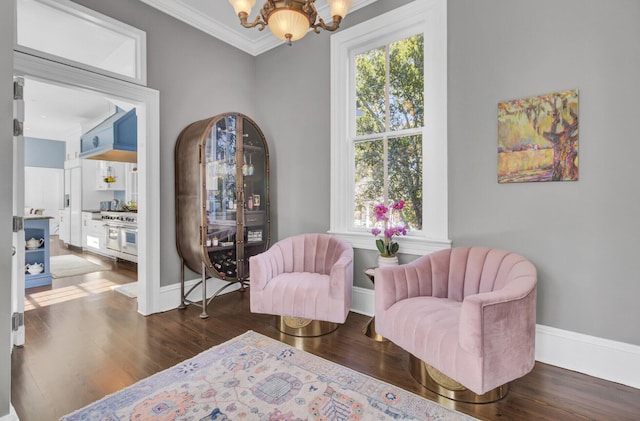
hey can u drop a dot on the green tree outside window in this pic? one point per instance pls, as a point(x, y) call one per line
point(389, 117)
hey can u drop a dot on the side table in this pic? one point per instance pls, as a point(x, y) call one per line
point(369, 329)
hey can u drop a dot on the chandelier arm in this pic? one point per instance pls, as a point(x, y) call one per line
point(309, 8)
point(331, 27)
point(258, 22)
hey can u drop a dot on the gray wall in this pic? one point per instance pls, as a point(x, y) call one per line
point(6, 191)
point(198, 76)
point(44, 153)
point(581, 235)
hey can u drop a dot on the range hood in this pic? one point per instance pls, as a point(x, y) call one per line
point(115, 139)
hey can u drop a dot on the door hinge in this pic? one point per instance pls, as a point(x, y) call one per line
point(18, 89)
point(18, 223)
point(17, 127)
point(17, 320)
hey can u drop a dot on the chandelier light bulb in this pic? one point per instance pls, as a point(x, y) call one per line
point(288, 25)
point(340, 7)
point(242, 6)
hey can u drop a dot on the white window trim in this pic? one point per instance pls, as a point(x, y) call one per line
point(84, 13)
point(431, 15)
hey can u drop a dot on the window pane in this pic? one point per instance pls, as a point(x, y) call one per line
point(369, 181)
point(370, 98)
point(405, 178)
point(403, 99)
point(55, 30)
point(406, 79)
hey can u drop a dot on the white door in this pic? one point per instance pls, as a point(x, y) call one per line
point(17, 261)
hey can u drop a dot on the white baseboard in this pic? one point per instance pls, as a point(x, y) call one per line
point(610, 360)
point(170, 295)
point(363, 301)
point(12, 416)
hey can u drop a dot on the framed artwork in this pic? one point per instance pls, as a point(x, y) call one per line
point(538, 138)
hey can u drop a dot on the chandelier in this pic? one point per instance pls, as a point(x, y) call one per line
point(290, 20)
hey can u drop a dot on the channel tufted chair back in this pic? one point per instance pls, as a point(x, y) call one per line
point(314, 253)
point(306, 276)
point(469, 312)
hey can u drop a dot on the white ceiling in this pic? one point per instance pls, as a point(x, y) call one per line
point(59, 113)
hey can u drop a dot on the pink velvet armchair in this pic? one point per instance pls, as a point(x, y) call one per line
point(467, 315)
point(306, 281)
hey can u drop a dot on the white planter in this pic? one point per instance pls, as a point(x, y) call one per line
point(387, 261)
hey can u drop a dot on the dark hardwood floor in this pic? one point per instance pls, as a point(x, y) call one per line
point(83, 346)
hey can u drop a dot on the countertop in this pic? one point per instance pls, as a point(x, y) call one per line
point(32, 217)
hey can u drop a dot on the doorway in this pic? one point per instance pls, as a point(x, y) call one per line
point(146, 102)
point(71, 192)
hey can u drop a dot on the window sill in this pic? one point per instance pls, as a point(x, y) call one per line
point(408, 245)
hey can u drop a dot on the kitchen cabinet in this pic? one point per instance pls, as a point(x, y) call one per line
point(63, 229)
point(44, 188)
point(73, 205)
point(37, 253)
point(222, 199)
point(94, 235)
point(115, 139)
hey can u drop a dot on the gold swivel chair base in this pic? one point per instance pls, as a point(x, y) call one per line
point(297, 326)
point(439, 383)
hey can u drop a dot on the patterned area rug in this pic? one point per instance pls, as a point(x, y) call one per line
point(253, 377)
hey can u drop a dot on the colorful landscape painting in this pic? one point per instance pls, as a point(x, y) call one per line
point(538, 138)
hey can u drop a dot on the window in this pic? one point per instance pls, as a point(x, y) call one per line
point(66, 32)
point(387, 146)
point(388, 125)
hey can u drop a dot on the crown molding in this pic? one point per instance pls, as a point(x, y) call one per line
point(231, 33)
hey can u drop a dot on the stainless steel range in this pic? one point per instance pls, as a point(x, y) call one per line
point(122, 233)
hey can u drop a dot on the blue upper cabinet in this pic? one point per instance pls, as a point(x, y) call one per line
point(115, 139)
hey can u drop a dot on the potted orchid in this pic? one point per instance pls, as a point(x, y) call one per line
point(387, 247)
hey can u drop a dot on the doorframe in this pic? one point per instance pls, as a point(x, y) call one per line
point(147, 102)
point(18, 256)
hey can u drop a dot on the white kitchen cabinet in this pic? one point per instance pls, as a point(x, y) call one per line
point(91, 196)
point(93, 234)
point(76, 207)
point(86, 216)
point(64, 228)
point(73, 210)
point(43, 188)
point(112, 170)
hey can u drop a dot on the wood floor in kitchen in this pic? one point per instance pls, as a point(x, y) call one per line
point(90, 342)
